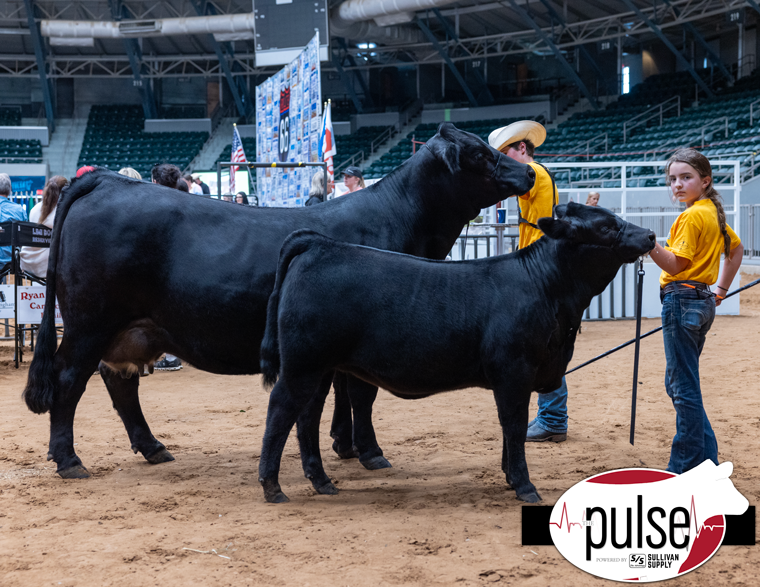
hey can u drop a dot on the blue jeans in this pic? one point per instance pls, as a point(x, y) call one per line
point(552, 410)
point(686, 318)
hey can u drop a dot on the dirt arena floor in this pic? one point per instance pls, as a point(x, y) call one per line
point(442, 515)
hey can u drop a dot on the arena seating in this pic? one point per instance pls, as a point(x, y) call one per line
point(114, 138)
point(348, 145)
point(423, 132)
point(10, 116)
point(182, 112)
point(20, 151)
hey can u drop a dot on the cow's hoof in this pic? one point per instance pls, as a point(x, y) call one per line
point(327, 489)
point(160, 456)
point(530, 497)
point(74, 472)
point(272, 492)
point(375, 463)
point(350, 453)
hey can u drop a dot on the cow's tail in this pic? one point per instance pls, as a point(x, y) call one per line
point(41, 383)
point(297, 243)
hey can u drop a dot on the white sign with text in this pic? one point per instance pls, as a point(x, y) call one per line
point(31, 305)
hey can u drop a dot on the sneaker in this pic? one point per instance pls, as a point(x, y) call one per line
point(538, 434)
point(165, 365)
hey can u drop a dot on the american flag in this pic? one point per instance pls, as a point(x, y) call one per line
point(238, 156)
point(327, 143)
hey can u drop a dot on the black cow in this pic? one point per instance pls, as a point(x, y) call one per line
point(417, 327)
point(140, 269)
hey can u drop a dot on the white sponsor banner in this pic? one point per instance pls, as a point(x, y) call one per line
point(6, 301)
point(31, 305)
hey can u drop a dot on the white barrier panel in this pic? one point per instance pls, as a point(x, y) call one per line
point(6, 301)
point(31, 305)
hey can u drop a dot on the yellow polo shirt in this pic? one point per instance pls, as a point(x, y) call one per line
point(696, 236)
point(537, 203)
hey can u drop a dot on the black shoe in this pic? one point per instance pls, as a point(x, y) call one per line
point(166, 365)
point(538, 434)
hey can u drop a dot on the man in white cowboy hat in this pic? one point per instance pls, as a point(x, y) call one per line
point(519, 141)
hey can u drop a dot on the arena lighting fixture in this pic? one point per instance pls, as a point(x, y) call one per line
point(72, 41)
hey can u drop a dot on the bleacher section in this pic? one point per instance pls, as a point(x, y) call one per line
point(348, 145)
point(182, 112)
point(10, 116)
point(115, 139)
point(20, 151)
point(424, 132)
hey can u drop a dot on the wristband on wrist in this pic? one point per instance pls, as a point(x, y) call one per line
point(723, 288)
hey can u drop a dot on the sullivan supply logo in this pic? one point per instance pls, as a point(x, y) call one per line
point(643, 524)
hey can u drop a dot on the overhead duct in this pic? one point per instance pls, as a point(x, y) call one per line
point(367, 31)
point(386, 12)
point(232, 26)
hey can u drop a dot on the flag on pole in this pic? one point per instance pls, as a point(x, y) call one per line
point(327, 144)
point(238, 156)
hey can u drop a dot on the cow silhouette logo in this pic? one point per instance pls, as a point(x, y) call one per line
point(645, 525)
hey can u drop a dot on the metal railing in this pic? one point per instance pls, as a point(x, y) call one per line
point(591, 144)
point(752, 111)
point(382, 137)
point(657, 111)
point(354, 159)
point(689, 136)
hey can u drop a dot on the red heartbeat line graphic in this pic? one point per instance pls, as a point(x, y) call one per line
point(564, 517)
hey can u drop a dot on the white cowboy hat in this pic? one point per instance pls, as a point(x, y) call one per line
point(517, 131)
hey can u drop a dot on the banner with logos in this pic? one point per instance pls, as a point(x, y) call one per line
point(288, 116)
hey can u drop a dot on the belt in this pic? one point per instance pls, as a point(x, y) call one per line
point(680, 285)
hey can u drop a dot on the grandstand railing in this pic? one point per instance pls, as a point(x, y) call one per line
point(657, 111)
point(689, 135)
point(382, 138)
point(354, 159)
point(752, 111)
point(591, 144)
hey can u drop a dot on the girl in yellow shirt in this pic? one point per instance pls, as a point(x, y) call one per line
point(690, 264)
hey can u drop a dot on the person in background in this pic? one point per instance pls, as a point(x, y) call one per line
point(592, 199)
point(227, 197)
point(518, 141)
point(169, 176)
point(182, 186)
point(192, 187)
point(129, 172)
point(205, 190)
point(8, 211)
point(353, 179)
point(166, 174)
point(317, 190)
point(241, 198)
point(690, 264)
point(34, 260)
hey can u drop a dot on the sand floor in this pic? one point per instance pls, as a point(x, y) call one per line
point(442, 515)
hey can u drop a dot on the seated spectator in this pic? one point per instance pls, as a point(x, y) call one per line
point(8, 211)
point(166, 174)
point(34, 260)
point(241, 198)
point(129, 172)
point(317, 191)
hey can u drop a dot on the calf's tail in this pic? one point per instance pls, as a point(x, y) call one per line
point(296, 243)
point(41, 383)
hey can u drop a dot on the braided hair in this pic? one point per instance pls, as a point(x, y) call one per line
point(702, 166)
